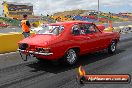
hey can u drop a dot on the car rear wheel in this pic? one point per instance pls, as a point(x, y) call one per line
point(71, 57)
point(112, 47)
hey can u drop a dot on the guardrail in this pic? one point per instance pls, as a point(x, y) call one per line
point(9, 41)
point(121, 29)
point(125, 29)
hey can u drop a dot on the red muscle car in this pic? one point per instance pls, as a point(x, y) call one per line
point(66, 41)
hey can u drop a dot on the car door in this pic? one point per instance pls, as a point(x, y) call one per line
point(80, 38)
point(104, 38)
point(94, 35)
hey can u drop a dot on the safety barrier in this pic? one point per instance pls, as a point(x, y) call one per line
point(125, 29)
point(9, 41)
point(121, 29)
point(116, 29)
point(108, 29)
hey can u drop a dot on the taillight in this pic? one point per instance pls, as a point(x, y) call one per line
point(23, 46)
point(47, 50)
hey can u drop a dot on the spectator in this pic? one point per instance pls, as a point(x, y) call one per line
point(25, 26)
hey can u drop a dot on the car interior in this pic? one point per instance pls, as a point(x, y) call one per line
point(83, 29)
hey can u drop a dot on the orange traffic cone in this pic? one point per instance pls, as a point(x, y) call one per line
point(110, 24)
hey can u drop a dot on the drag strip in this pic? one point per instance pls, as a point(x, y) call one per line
point(98, 63)
point(35, 74)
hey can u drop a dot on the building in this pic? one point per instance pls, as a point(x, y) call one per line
point(16, 10)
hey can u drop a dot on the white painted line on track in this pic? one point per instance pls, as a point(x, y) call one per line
point(8, 53)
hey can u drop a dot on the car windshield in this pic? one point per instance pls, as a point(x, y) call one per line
point(51, 29)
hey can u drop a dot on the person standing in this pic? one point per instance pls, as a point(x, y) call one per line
point(25, 26)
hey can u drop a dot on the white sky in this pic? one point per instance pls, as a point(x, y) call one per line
point(52, 6)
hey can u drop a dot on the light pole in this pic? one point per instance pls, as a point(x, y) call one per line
point(98, 10)
point(98, 6)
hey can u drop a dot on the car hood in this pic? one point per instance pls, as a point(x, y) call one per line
point(39, 39)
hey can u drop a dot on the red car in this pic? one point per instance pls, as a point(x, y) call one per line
point(66, 41)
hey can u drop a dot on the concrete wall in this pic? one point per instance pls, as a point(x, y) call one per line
point(8, 41)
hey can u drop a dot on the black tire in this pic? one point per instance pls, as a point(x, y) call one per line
point(70, 57)
point(112, 47)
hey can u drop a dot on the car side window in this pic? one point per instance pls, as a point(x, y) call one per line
point(90, 28)
point(95, 27)
point(76, 30)
point(82, 29)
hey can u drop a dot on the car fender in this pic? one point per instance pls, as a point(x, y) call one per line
point(73, 47)
point(116, 37)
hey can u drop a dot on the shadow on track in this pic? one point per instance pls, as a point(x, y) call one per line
point(83, 60)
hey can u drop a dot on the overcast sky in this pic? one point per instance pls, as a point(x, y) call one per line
point(52, 6)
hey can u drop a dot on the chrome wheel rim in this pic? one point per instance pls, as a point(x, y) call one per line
point(71, 56)
point(113, 47)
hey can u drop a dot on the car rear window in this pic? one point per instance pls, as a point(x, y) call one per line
point(51, 29)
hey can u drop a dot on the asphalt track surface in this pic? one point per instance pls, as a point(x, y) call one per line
point(18, 29)
point(15, 73)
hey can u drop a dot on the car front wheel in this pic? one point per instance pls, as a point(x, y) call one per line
point(112, 47)
point(71, 57)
